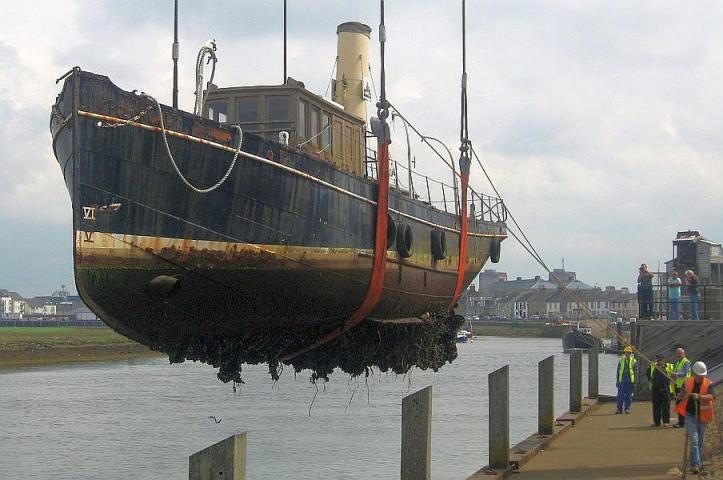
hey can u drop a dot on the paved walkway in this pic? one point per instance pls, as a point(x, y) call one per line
point(608, 446)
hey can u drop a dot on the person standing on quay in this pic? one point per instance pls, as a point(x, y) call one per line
point(681, 373)
point(645, 292)
point(674, 283)
point(693, 294)
point(625, 380)
point(696, 404)
point(659, 377)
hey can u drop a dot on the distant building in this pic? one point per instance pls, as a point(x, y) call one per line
point(538, 298)
point(12, 305)
point(59, 305)
point(489, 277)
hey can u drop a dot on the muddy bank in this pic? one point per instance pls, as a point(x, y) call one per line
point(78, 353)
point(48, 345)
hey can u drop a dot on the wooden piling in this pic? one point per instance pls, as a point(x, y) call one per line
point(417, 435)
point(592, 373)
point(499, 418)
point(225, 460)
point(576, 381)
point(546, 396)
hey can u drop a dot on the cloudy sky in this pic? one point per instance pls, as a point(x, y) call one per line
point(600, 121)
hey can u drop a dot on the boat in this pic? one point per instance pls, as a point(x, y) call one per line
point(580, 337)
point(264, 227)
point(464, 336)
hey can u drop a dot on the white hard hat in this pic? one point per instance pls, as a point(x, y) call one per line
point(699, 368)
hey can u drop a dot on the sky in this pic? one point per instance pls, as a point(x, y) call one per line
point(600, 122)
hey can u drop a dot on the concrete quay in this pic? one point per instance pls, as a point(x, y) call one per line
point(603, 445)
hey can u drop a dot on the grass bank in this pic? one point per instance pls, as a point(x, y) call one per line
point(46, 345)
point(510, 329)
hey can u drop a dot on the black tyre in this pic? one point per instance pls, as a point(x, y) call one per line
point(439, 244)
point(495, 250)
point(405, 240)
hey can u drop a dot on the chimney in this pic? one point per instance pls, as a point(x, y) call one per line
point(352, 55)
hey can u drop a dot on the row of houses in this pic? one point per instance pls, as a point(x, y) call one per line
point(60, 304)
point(538, 298)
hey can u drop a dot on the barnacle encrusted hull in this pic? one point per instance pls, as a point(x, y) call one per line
point(266, 264)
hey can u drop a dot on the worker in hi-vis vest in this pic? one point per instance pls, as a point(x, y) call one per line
point(696, 404)
point(660, 376)
point(681, 372)
point(625, 380)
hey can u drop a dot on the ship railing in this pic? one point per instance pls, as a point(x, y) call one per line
point(438, 194)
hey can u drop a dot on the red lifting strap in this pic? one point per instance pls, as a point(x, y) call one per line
point(376, 284)
point(462, 263)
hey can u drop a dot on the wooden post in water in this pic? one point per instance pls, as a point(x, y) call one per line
point(225, 460)
point(546, 396)
point(592, 373)
point(499, 417)
point(417, 435)
point(576, 381)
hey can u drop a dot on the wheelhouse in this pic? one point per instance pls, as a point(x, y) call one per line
point(314, 124)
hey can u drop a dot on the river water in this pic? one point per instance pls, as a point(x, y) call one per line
point(141, 419)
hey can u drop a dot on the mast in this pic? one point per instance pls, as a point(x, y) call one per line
point(285, 77)
point(174, 54)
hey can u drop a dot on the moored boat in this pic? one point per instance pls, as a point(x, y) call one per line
point(581, 338)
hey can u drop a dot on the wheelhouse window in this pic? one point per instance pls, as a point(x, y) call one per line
point(218, 111)
point(277, 109)
point(314, 130)
point(247, 110)
point(301, 122)
point(326, 132)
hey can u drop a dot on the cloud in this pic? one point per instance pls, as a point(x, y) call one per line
point(599, 121)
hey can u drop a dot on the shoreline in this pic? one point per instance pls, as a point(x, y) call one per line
point(73, 354)
point(35, 346)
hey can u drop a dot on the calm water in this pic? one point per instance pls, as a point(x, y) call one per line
point(143, 418)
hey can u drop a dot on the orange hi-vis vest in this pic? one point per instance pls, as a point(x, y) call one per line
point(705, 414)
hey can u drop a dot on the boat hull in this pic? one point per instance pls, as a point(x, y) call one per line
point(285, 242)
point(580, 341)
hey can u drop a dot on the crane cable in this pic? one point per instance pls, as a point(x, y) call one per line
point(464, 167)
point(529, 247)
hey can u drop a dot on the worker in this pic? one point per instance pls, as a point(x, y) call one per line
point(697, 406)
point(681, 372)
point(660, 376)
point(625, 380)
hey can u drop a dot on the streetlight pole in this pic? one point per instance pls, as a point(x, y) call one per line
point(426, 138)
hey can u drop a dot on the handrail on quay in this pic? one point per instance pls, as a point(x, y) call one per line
point(710, 303)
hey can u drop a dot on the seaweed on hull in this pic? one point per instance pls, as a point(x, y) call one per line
point(388, 347)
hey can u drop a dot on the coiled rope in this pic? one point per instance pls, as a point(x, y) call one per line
point(173, 160)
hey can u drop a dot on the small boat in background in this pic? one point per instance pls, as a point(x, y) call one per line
point(464, 336)
point(580, 338)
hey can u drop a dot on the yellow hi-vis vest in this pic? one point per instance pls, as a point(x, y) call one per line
point(668, 371)
point(631, 368)
point(680, 381)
